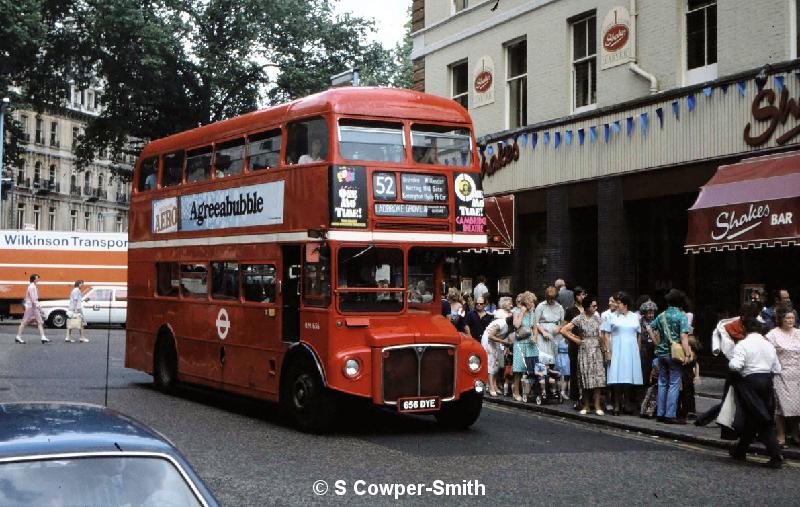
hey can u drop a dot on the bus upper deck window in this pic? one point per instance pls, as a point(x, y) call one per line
point(307, 141)
point(441, 144)
point(198, 164)
point(229, 158)
point(173, 164)
point(264, 150)
point(371, 140)
point(148, 172)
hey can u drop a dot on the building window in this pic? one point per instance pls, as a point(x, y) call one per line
point(73, 220)
point(23, 121)
point(39, 131)
point(37, 217)
point(101, 223)
point(20, 215)
point(52, 175)
point(517, 83)
point(460, 83)
point(75, 134)
point(51, 219)
point(87, 221)
point(701, 40)
point(37, 172)
point(54, 134)
point(119, 224)
point(584, 63)
point(460, 5)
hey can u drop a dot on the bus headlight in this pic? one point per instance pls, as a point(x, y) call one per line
point(474, 363)
point(351, 368)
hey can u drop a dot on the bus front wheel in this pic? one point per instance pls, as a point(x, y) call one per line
point(306, 398)
point(165, 365)
point(461, 414)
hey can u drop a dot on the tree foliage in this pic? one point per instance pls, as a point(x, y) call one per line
point(170, 65)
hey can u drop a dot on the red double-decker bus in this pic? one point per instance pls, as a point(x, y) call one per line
point(297, 254)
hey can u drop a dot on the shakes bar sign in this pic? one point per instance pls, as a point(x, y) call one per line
point(221, 209)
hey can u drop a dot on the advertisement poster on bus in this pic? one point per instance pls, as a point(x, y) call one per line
point(469, 204)
point(349, 197)
point(233, 207)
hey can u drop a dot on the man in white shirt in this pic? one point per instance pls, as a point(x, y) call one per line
point(754, 358)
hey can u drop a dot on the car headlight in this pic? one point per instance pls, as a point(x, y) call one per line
point(474, 363)
point(351, 368)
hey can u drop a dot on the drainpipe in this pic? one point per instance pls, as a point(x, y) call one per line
point(632, 66)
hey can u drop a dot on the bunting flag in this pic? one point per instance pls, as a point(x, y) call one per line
point(489, 150)
point(581, 136)
point(708, 91)
point(760, 84)
point(605, 130)
point(741, 85)
point(523, 139)
point(643, 118)
point(629, 125)
point(616, 127)
point(546, 138)
point(779, 83)
point(593, 134)
point(676, 109)
point(534, 139)
point(568, 137)
point(724, 88)
point(690, 101)
point(557, 140)
point(660, 114)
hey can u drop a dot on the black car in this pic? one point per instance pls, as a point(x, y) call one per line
point(68, 454)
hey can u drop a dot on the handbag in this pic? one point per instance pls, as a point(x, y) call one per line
point(524, 332)
point(74, 323)
point(675, 348)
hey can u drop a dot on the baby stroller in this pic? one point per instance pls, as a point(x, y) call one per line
point(542, 385)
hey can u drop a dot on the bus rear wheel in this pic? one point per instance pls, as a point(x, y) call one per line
point(461, 414)
point(165, 365)
point(306, 399)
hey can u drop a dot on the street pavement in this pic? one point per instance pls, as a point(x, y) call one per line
point(250, 457)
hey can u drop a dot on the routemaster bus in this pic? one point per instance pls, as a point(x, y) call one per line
point(297, 254)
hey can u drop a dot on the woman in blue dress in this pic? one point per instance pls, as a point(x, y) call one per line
point(525, 351)
point(621, 333)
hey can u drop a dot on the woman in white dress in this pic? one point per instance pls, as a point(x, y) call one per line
point(493, 339)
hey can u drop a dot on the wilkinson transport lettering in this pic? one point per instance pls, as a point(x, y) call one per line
point(67, 242)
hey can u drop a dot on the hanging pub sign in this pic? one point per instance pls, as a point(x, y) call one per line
point(349, 197)
point(770, 115)
point(616, 40)
point(470, 215)
point(483, 82)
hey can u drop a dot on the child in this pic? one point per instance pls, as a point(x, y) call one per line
point(650, 401)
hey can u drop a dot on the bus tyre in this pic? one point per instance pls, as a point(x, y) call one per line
point(165, 365)
point(57, 319)
point(309, 403)
point(461, 414)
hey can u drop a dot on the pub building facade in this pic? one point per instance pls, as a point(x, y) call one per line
point(647, 144)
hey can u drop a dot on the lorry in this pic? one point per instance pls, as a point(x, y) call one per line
point(59, 258)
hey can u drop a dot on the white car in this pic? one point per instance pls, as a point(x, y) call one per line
point(101, 305)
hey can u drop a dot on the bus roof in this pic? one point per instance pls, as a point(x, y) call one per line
point(361, 101)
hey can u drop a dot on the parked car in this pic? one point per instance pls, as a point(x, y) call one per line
point(101, 305)
point(81, 454)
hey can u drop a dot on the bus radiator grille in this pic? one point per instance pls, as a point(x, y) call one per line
point(418, 370)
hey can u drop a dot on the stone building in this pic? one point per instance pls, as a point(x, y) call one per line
point(45, 191)
point(604, 119)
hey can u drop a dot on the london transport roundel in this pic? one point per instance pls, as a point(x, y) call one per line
point(223, 323)
point(465, 187)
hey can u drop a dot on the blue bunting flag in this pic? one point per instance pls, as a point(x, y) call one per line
point(568, 137)
point(581, 136)
point(690, 101)
point(593, 134)
point(534, 139)
point(779, 83)
point(676, 109)
point(724, 88)
point(660, 114)
point(523, 139)
point(643, 121)
point(629, 125)
point(708, 91)
point(605, 131)
point(557, 141)
point(546, 138)
point(741, 85)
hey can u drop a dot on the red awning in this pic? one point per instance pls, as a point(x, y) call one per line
point(754, 203)
point(499, 212)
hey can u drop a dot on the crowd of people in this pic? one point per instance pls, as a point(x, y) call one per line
point(636, 358)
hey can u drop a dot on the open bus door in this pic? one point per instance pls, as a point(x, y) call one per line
point(290, 293)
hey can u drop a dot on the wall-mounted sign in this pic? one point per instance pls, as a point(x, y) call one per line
point(503, 156)
point(617, 46)
point(165, 215)
point(423, 187)
point(232, 207)
point(349, 196)
point(738, 223)
point(483, 82)
point(402, 209)
point(470, 215)
point(772, 115)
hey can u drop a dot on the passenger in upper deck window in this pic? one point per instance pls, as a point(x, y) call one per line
point(316, 153)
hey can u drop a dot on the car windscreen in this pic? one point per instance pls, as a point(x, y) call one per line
point(370, 280)
point(94, 482)
point(441, 145)
point(371, 140)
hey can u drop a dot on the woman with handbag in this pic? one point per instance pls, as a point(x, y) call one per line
point(526, 352)
point(75, 313)
point(584, 330)
point(671, 334)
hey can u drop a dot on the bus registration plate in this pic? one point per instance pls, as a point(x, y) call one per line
point(425, 404)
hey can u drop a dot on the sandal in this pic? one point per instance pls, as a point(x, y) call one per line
point(517, 397)
point(599, 412)
point(583, 411)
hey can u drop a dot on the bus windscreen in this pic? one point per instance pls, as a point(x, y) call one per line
point(441, 145)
